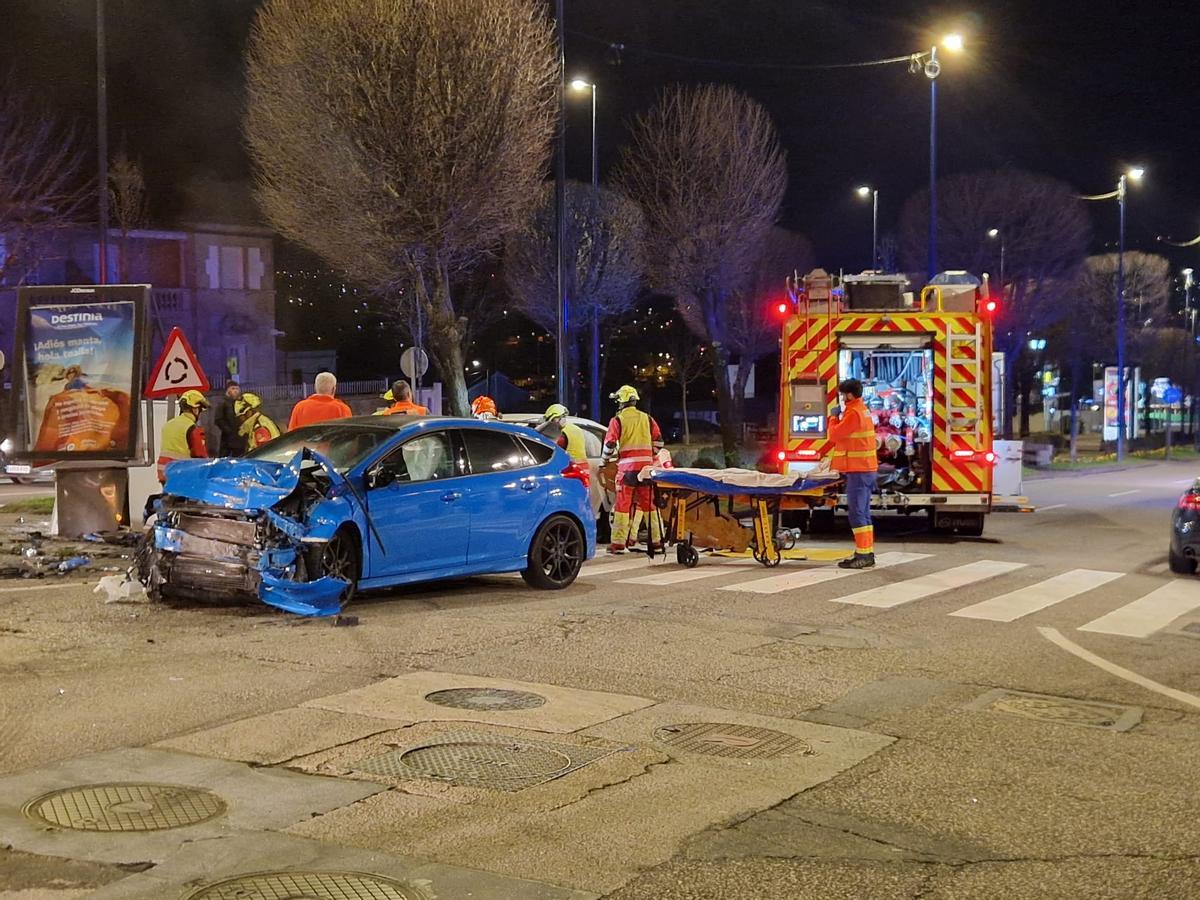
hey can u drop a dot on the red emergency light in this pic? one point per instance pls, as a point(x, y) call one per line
point(796, 455)
point(991, 305)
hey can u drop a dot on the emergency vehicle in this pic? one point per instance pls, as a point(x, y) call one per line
point(925, 365)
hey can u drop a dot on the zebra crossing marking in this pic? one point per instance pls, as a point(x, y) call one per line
point(1015, 604)
point(899, 593)
point(681, 576)
point(1151, 613)
point(775, 584)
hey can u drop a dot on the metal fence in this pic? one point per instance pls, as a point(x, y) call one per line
point(372, 387)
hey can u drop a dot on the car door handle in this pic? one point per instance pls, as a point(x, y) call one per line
point(529, 485)
point(451, 496)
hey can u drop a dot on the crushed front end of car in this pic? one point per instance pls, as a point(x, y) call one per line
point(237, 529)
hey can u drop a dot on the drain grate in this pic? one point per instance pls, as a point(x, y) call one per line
point(484, 760)
point(120, 807)
point(486, 699)
point(731, 741)
point(1061, 710)
point(306, 885)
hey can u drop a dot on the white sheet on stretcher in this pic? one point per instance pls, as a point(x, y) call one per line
point(745, 478)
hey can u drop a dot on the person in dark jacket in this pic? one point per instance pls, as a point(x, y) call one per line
point(233, 442)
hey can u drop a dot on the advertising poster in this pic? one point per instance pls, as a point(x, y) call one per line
point(81, 375)
point(1110, 403)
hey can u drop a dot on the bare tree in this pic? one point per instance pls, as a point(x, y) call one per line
point(687, 364)
point(706, 166)
point(1045, 232)
point(402, 140)
point(127, 201)
point(42, 187)
point(603, 269)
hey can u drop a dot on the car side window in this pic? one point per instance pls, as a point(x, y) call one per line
point(539, 454)
point(428, 457)
point(493, 451)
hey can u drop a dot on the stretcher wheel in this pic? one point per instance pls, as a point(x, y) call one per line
point(687, 556)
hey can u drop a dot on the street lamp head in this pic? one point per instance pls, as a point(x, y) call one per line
point(993, 232)
point(1187, 272)
point(1136, 173)
point(580, 84)
point(863, 191)
point(953, 43)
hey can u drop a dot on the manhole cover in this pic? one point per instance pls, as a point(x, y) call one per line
point(125, 807)
point(733, 741)
point(486, 699)
point(314, 885)
point(1062, 710)
point(484, 760)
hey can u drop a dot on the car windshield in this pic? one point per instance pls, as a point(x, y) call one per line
point(343, 445)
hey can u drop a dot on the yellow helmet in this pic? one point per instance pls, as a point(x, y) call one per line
point(626, 393)
point(194, 399)
point(555, 411)
point(247, 403)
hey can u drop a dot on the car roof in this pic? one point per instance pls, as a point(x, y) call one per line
point(399, 422)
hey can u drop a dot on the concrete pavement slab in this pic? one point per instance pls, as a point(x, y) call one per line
point(252, 799)
point(277, 736)
point(558, 709)
point(207, 862)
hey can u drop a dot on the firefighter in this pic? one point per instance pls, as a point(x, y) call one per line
point(182, 436)
point(566, 434)
point(256, 425)
point(854, 455)
point(632, 439)
point(402, 401)
point(484, 408)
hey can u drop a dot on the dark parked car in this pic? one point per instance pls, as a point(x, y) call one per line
point(1185, 532)
point(376, 501)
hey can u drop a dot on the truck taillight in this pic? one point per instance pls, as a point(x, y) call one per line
point(984, 456)
point(795, 455)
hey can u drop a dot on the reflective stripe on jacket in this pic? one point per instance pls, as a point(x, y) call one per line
point(853, 436)
point(635, 437)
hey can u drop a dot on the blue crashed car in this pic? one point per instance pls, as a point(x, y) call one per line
point(369, 502)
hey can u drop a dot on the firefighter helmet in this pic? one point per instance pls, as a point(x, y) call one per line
point(247, 403)
point(555, 411)
point(625, 394)
point(484, 407)
point(194, 399)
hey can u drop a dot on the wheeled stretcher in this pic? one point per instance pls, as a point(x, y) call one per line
point(704, 508)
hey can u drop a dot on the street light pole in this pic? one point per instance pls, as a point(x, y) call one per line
point(582, 84)
point(867, 191)
point(995, 233)
point(102, 140)
point(1121, 322)
point(932, 70)
point(560, 214)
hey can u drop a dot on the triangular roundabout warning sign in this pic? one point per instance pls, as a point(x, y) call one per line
point(177, 369)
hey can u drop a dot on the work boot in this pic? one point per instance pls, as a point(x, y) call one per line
point(858, 561)
point(616, 548)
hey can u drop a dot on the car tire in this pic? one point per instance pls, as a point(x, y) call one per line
point(1180, 564)
point(555, 554)
point(340, 558)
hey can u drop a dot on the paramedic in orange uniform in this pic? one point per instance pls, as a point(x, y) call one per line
point(854, 455)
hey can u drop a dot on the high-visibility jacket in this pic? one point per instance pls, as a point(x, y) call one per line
point(853, 436)
point(181, 438)
point(406, 408)
point(259, 429)
point(633, 438)
point(317, 408)
point(572, 440)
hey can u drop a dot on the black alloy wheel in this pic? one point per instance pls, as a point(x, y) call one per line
point(339, 559)
point(555, 555)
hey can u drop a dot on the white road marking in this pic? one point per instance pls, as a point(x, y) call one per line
point(1151, 613)
point(1015, 604)
point(606, 566)
point(902, 592)
point(1126, 493)
point(1053, 635)
point(1050, 507)
point(681, 575)
point(776, 584)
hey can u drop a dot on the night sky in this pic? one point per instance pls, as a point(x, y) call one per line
point(1074, 89)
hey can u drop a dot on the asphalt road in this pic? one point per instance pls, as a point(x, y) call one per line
point(916, 764)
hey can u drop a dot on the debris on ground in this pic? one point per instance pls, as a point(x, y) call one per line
point(121, 589)
point(344, 621)
point(70, 565)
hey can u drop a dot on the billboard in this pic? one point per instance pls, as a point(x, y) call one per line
point(1110, 402)
point(79, 370)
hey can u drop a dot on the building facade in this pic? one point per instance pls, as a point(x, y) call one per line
point(216, 282)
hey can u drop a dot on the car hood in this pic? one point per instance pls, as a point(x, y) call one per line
point(249, 484)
